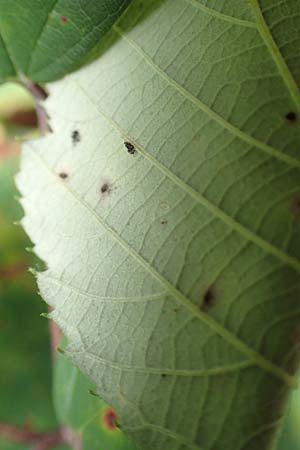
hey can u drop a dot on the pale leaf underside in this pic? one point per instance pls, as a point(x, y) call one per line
point(174, 271)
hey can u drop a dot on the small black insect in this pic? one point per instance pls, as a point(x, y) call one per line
point(130, 148)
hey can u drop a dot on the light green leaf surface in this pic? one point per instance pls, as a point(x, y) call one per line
point(87, 415)
point(174, 271)
point(45, 39)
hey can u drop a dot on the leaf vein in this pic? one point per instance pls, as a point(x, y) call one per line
point(214, 371)
point(275, 53)
point(222, 16)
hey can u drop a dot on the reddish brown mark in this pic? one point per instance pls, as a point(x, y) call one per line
point(110, 419)
point(295, 207)
point(64, 19)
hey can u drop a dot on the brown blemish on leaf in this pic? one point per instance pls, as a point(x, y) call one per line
point(295, 206)
point(63, 175)
point(106, 188)
point(64, 19)
point(110, 419)
point(292, 117)
point(208, 300)
point(76, 137)
point(164, 222)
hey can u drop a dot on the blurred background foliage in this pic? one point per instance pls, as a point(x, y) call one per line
point(37, 394)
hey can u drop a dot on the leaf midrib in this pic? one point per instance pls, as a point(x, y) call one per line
point(213, 371)
point(275, 53)
point(257, 358)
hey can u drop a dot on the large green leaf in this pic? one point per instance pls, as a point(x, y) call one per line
point(44, 39)
point(174, 271)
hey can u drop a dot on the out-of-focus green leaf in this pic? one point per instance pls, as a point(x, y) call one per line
point(44, 39)
point(25, 368)
point(14, 97)
point(5, 445)
point(78, 408)
point(17, 111)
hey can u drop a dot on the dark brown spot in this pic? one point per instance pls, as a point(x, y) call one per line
point(105, 188)
point(209, 299)
point(164, 222)
point(76, 138)
point(63, 175)
point(295, 206)
point(130, 147)
point(291, 117)
point(163, 375)
point(110, 419)
point(64, 19)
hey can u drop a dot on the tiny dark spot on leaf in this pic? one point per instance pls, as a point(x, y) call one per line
point(163, 375)
point(209, 299)
point(130, 147)
point(64, 19)
point(291, 117)
point(63, 175)
point(105, 188)
point(76, 138)
point(164, 222)
point(110, 419)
